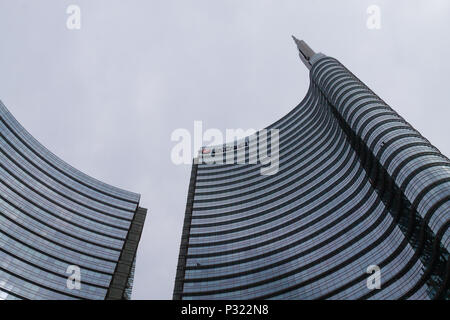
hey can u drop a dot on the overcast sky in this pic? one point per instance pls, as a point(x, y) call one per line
point(107, 97)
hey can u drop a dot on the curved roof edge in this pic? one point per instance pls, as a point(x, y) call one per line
point(60, 165)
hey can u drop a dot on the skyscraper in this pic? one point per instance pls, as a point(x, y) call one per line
point(359, 196)
point(63, 234)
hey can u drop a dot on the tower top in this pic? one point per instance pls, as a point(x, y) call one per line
point(305, 52)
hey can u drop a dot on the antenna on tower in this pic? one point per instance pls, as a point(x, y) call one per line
point(305, 52)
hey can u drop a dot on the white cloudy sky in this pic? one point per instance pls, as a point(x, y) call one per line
point(106, 98)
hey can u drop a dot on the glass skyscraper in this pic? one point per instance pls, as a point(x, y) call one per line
point(63, 234)
point(357, 187)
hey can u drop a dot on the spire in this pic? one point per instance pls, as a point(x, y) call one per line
point(305, 52)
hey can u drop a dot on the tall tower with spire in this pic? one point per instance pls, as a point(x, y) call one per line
point(359, 208)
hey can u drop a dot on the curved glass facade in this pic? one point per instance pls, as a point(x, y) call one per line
point(357, 186)
point(54, 218)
